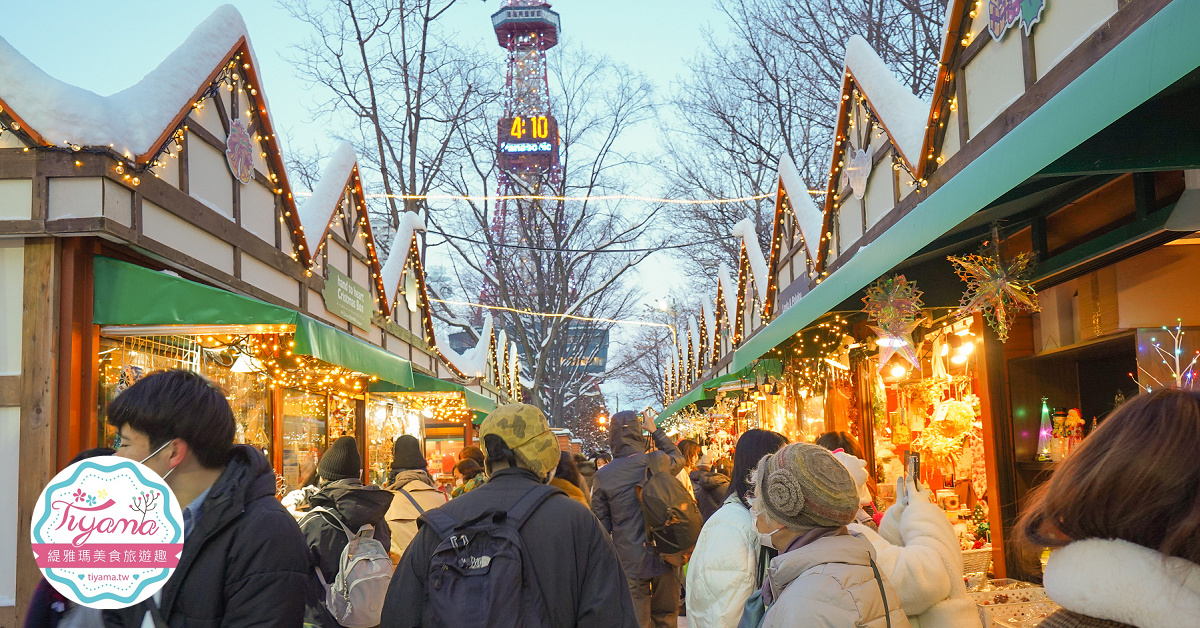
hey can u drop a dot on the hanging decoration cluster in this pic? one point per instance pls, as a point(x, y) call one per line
point(996, 288)
point(894, 303)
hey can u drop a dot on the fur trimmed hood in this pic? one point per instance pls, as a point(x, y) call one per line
point(1124, 582)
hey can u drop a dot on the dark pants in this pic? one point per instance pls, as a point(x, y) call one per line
point(656, 601)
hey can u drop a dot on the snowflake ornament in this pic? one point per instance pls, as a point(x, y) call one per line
point(996, 289)
point(895, 305)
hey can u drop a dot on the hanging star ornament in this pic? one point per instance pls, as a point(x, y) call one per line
point(996, 289)
point(895, 305)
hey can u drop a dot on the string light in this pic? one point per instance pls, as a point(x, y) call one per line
point(544, 197)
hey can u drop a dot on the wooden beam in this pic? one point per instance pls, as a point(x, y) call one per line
point(1144, 200)
point(1028, 61)
point(184, 151)
point(204, 134)
point(39, 354)
point(15, 163)
point(973, 48)
point(77, 340)
point(960, 104)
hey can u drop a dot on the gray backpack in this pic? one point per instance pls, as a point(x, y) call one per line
point(355, 597)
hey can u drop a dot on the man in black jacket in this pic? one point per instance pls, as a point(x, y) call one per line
point(709, 486)
point(343, 494)
point(653, 582)
point(580, 578)
point(244, 561)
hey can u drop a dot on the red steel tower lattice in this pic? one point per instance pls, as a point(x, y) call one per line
point(526, 146)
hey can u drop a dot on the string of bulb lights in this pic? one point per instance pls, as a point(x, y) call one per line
point(576, 317)
point(584, 198)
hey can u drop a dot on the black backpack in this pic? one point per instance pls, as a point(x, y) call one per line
point(480, 574)
point(672, 518)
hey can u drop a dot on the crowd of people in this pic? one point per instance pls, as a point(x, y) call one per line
point(788, 535)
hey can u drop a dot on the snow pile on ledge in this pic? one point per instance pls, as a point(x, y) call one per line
point(730, 293)
point(695, 334)
point(808, 217)
point(317, 210)
point(393, 268)
point(130, 120)
point(758, 266)
point(709, 322)
point(903, 114)
point(472, 363)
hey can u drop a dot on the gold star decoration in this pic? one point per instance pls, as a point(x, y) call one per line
point(996, 289)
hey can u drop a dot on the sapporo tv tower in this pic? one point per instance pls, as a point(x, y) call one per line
point(526, 151)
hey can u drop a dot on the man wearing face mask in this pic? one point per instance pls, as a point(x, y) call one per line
point(574, 564)
point(244, 560)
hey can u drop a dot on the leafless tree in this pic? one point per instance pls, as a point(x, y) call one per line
point(565, 258)
point(768, 86)
point(401, 81)
point(644, 357)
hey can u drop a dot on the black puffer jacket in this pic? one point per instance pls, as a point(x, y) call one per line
point(355, 505)
point(710, 488)
point(244, 564)
point(615, 500)
point(576, 568)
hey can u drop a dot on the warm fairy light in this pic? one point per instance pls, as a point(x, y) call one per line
point(898, 371)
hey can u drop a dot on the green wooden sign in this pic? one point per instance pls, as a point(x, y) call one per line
point(347, 299)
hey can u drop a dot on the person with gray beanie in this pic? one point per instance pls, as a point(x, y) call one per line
point(824, 575)
point(413, 492)
point(345, 503)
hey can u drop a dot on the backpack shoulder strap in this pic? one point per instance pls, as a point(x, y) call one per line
point(413, 500)
point(330, 516)
point(443, 523)
point(529, 502)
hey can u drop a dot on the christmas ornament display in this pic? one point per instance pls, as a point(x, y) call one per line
point(894, 303)
point(239, 150)
point(995, 288)
point(1004, 14)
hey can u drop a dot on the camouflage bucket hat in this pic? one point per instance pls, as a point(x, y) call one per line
point(525, 430)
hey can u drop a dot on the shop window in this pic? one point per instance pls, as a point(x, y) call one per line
point(388, 417)
point(304, 436)
point(341, 416)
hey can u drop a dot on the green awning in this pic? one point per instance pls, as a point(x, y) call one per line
point(1152, 58)
point(770, 366)
point(476, 402)
point(128, 294)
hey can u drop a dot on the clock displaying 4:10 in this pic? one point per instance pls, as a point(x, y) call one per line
point(532, 127)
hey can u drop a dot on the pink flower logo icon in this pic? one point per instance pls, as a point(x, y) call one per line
point(79, 495)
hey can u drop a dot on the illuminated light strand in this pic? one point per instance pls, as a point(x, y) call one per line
point(599, 197)
point(576, 317)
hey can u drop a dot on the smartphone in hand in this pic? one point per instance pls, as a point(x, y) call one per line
point(913, 465)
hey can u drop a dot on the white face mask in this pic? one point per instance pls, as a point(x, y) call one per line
point(765, 539)
point(156, 452)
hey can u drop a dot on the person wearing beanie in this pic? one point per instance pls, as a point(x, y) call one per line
point(413, 492)
point(573, 562)
point(824, 574)
point(342, 496)
point(653, 582)
point(918, 550)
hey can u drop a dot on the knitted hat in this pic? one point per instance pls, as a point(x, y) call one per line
point(341, 461)
point(803, 486)
point(524, 429)
point(406, 453)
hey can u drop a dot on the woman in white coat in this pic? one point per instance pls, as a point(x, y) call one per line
point(727, 566)
point(917, 549)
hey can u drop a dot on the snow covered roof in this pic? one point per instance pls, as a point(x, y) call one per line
point(135, 120)
point(393, 268)
point(902, 113)
point(729, 291)
point(695, 333)
point(758, 264)
point(808, 217)
point(317, 211)
point(708, 320)
point(473, 362)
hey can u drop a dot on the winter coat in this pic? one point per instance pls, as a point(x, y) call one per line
point(571, 489)
point(709, 488)
point(576, 567)
point(829, 583)
point(245, 562)
point(402, 515)
point(355, 505)
point(721, 575)
point(587, 470)
point(1100, 580)
point(616, 502)
point(925, 566)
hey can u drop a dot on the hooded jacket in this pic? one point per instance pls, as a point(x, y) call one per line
point(402, 514)
point(615, 500)
point(576, 568)
point(244, 564)
point(1101, 581)
point(355, 505)
point(721, 575)
point(829, 583)
point(925, 565)
point(709, 488)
